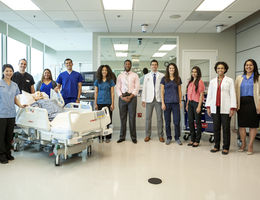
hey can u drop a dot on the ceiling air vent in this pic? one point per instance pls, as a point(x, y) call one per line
point(68, 23)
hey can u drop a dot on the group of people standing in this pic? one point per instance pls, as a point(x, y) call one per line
point(160, 91)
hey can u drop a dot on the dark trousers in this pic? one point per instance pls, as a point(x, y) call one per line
point(69, 100)
point(129, 107)
point(224, 120)
point(175, 109)
point(193, 115)
point(6, 134)
point(100, 106)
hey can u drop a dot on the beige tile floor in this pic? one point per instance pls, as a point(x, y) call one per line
point(120, 172)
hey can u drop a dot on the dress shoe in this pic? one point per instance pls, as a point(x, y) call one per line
point(3, 159)
point(146, 139)
point(161, 139)
point(214, 150)
point(134, 141)
point(190, 144)
point(225, 152)
point(9, 157)
point(195, 144)
point(120, 140)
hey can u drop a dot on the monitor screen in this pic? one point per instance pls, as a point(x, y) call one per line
point(88, 78)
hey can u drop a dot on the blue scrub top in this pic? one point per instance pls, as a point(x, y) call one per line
point(7, 95)
point(104, 91)
point(69, 83)
point(46, 88)
point(171, 92)
point(247, 86)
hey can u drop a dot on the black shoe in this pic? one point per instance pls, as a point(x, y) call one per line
point(9, 157)
point(195, 145)
point(225, 152)
point(134, 141)
point(214, 150)
point(120, 140)
point(3, 159)
point(190, 144)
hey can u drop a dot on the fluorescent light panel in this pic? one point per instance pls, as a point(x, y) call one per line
point(167, 47)
point(214, 5)
point(20, 4)
point(159, 54)
point(121, 47)
point(121, 54)
point(118, 4)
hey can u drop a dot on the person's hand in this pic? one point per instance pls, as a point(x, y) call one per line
point(77, 101)
point(56, 89)
point(231, 112)
point(187, 107)
point(23, 106)
point(96, 107)
point(258, 110)
point(209, 112)
point(198, 109)
point(143, 104)
point(181, 105)
point(163, 106)
point(112, 107)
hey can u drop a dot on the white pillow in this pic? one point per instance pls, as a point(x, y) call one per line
point(26, 98)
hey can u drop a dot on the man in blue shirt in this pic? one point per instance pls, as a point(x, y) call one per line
point(71, 83)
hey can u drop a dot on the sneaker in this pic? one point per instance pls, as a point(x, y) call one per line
point(134, 141)
point(168, 141)
point(179, 142)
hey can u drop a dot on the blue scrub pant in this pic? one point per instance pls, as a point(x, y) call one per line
point(175, 109)
point(70, 100)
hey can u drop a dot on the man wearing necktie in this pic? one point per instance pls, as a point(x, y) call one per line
point(151, 98)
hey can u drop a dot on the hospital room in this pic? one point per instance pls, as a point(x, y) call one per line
point(129, 99)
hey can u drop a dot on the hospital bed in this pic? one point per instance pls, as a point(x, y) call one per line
point(70, 132)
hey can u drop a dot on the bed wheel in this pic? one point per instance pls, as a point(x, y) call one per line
point(89, 150)
point(211, 139)
point(58, 160)
point(186, 136)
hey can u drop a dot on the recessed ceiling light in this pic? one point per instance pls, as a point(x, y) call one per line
point(135, 60)
point(121, 54)
point(121, 47)
point(214, 5)
point(118, 4)
point(175, 16)
point(159, 54)
point(20, 4)
point(167, 47)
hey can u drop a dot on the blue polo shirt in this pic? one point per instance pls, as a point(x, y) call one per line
point(247, 86)
point(171, 92)
point(104, 91)
point(69, 83)
point(7, 95)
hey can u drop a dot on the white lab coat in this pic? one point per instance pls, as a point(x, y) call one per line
point(228, 95)
point(148, 87)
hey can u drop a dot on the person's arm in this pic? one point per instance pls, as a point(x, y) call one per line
point(79, 91)
point(136, 87)
point(200, 102)
point(232, 99)
point(96, 95)
point(162, 97)
point(187, 105)
point(112, 98)
point(209, 99)
point(180, 95)
point(144, 91)
point(32, 89)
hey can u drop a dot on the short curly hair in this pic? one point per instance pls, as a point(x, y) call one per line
point(221, 63)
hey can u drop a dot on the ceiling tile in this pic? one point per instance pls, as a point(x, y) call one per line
point(136, 26)
point(167, 26)
point(231, 17)
point(146, 15)
point(147, 5)
point(211, 27)
point(10, 16)
point(94, 26)
point(3, 7)
point(167, 14)
point(85, 5)
point(244, 6)
point(90, 15)
point(183, 5)
point(191, 26)
point(33, 15)
point(45, 24)
point(61, 15)
point(53, 5)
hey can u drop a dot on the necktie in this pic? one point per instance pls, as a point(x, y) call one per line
point(154, 81)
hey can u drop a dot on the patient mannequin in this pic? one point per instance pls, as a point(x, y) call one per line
point(38, 95)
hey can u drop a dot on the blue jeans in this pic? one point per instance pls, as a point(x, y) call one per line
point(175, 109)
